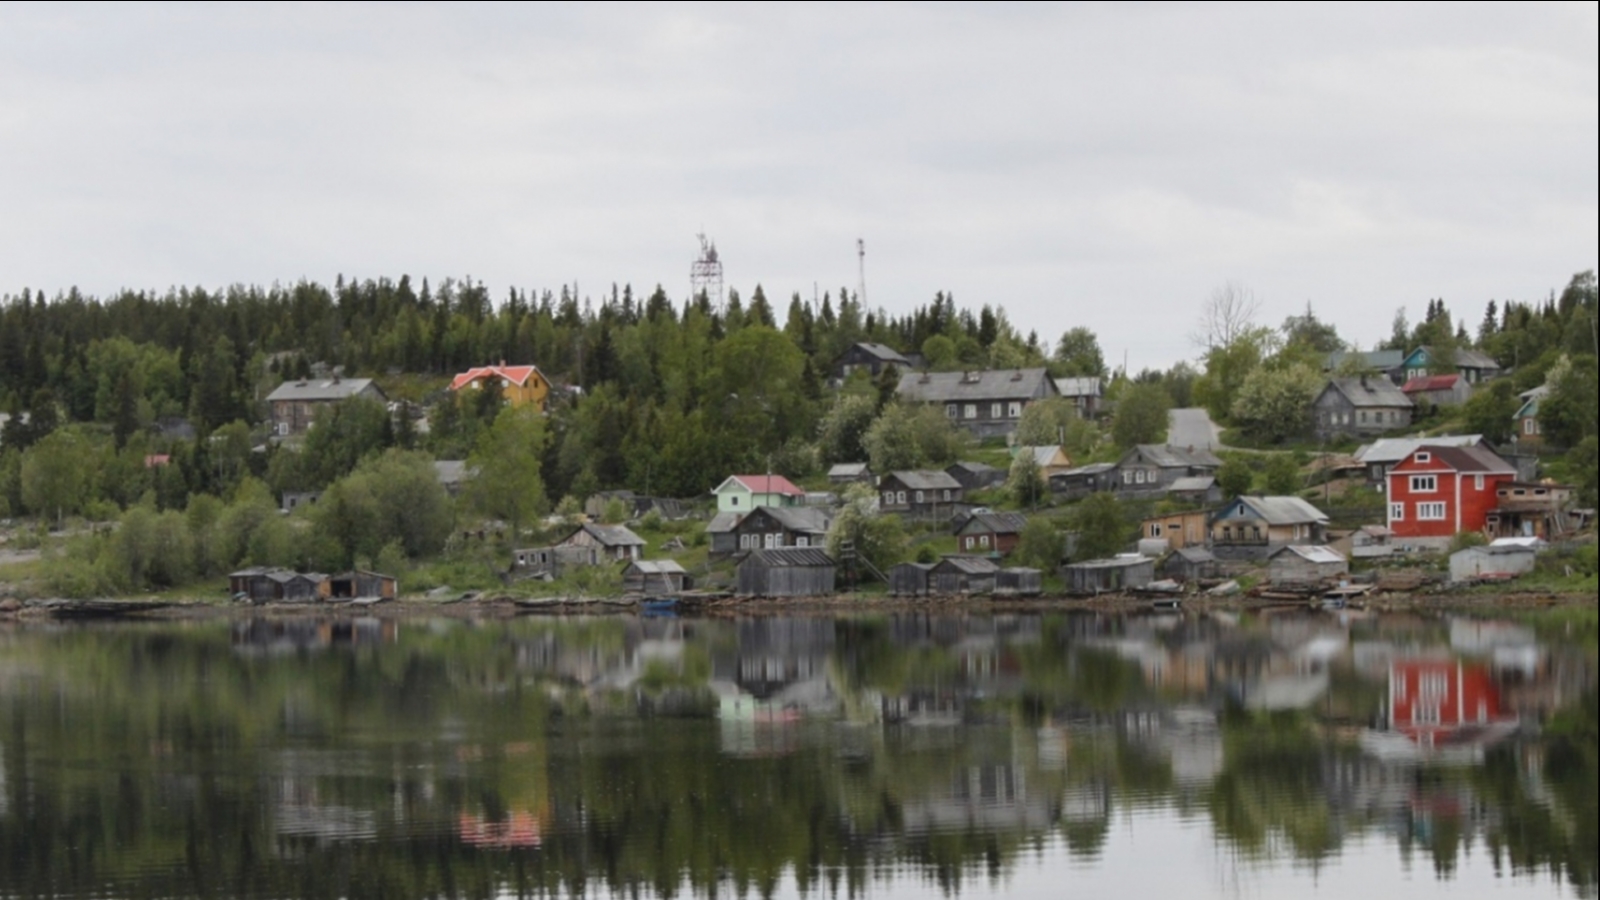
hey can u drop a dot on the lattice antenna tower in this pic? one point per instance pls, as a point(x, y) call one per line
point(705, 276)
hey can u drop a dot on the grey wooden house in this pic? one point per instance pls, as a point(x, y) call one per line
point(1100, 576)
point(295, 405)
point(920, 494)
point(593, 544)
point(789, 572)
point(909, 579)
point(1149, 471)
point(1018, 581)
point(1365, 405)
point(1076, 483)
point(871, 358)
point(1190, 564)
point(364, 584)
point(963, 575)
point(1296, 564)
point(976, 476)
point(987, 403)
point(655, 576)
point(770, 527)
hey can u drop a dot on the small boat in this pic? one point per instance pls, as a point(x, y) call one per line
point(659, 606)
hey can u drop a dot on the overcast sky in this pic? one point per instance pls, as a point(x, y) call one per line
point(1105, 165)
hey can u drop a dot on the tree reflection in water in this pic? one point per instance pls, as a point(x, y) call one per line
point(321, 758)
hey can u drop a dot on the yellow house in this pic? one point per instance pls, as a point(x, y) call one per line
point(520, 385)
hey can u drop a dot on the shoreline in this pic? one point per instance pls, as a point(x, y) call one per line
point(505, 607)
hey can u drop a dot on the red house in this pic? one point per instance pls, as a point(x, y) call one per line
point(1433, 701)
point(1436, 492)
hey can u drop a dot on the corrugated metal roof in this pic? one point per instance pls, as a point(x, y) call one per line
point(325, 389)
point(1477, 458)
point(995, 522)
point(1193, 483)
point(1430, 383)
point(884, 352)
point(1468, 358)
point(926, 480)
point(798, 518)
point(1116, 563)
point(764, 484)
point(723, 522)
point(969, 565)
point(1091, 469)
point(791, 557)
point(847, 470)
point(1195, 554)
point(1371, 392)
point(957, 387)
point(1317, 553)
point(658, 567)
point(613, 535)
point(1284, 510)
point(1392, 450)
point(1167, 456)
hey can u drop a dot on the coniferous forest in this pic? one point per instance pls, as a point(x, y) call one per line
point(150, 408)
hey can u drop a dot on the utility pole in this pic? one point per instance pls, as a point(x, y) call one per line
point(861, 272)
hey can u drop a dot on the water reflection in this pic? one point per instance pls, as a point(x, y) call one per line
point(890, 755)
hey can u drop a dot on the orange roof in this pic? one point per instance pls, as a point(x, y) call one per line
point(517, 375)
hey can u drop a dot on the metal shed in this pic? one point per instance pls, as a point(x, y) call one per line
point(1496, 559)
point(909, 579)
point(1019, 582)
point(655, 576)
point(786, 572)
point(963, 575)
point(1098, 576)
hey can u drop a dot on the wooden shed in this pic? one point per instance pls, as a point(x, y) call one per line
point(655, 576)
point(264, 584)
point(1019, 582)
point(785, 572)
point(1297, 564)
point(909, 579)
point(1099, 576)
point(963, 575)
point(360, 583)
point(1190, 564)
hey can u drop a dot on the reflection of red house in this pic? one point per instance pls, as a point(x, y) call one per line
point(519, 829)
point(1437, 491)
point(1433, 701)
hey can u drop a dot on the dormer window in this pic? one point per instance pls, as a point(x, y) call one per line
point(1424, 456)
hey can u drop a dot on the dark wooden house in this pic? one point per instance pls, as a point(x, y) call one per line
point(871, 358)
point(363, 584)
point(655, 577)
point(771, 527)
point(976, 476)
point(920, 494)
point(1076, 483)
point(1295, 564)
point(1190, 564)
point(1149, 471)
point(788, 572)
point(264, 584)
point(987, 404)
point(992, 532)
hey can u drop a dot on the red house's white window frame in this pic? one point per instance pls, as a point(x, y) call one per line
point(1431, 512)
point(1424, 484)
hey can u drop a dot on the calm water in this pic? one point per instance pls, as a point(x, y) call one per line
point(1304, 755)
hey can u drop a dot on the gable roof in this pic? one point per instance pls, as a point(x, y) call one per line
point(1430, 383)
point(1192, 483)
point(762, 484)
point(1392, 450)
point(1372, 359)
point(1078, 387)
point(790, 557)
point(1194, 554)
point(1369, 392)
point(992, 384)
point(808, 519)
point(609, 535)
point(967, 565)
point(1042, 455)
point(1466, 357)
point(1167, 456)
point(1283, 510)
point(1317, 554)
point(657, 567)
point(926, 479)
point(723, 522)
point(1083, 471)
point(972, 466)
point(882, 351)
point(322, 390)
point(1476, 458)
point(517, 375)
point(994, 523)
point(848, 470)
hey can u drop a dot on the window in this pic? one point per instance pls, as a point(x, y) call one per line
point(950, 410)
point(1127, 476)
point(901, 497)
point(1430, 512)
point(1530, 425)
point(1155, 529)
point(1477, 482)
point(773, 540)
point(994, 410)
point(1424, 484)
point(983, 540)
point(1397, 512)
point(971, 542)
point(1363, 415)
point(802, 542)
point(1424, 456)
point(1138, 476)
point(971, 412)
point(734, 500)
point(1016, 410)
point(947, 495)
point(888, 498)
point(919, 497)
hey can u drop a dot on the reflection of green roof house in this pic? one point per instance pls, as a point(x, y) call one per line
point(742, 493)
